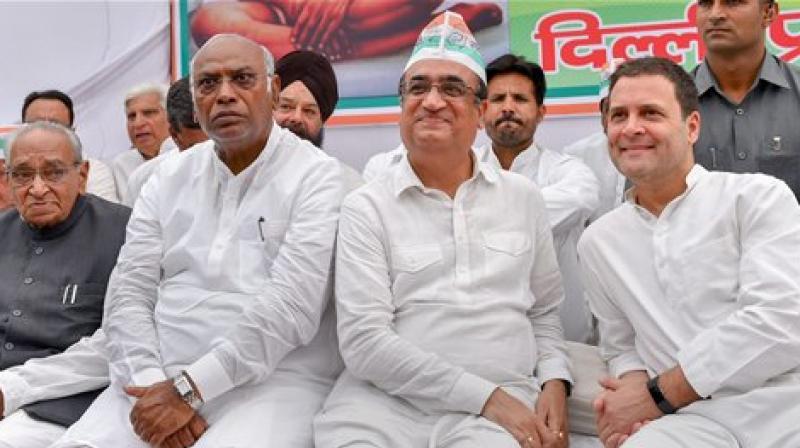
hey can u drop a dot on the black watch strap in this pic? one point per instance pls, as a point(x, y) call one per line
point(567, 387)
point(658, 397)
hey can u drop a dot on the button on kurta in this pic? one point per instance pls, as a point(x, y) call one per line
point(28, 280)
point(8, 346)
point(739, 111)
point(38, 251)
point(16, 313)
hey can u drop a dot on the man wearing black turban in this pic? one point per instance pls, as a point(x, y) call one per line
point(308, 94)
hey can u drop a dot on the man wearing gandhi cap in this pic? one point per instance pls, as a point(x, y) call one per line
point(308, 94)
point(447, 289)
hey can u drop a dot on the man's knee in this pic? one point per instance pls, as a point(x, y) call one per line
point(682, 431)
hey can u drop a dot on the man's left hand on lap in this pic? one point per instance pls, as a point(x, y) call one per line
point(159, 413)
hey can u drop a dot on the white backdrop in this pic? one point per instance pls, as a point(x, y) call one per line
point(95, 50)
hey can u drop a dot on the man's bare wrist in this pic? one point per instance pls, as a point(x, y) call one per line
point(562, 384)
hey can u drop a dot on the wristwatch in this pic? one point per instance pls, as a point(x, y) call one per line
point(186, 391)
point(661, 401)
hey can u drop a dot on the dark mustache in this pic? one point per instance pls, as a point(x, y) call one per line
point(505, 118)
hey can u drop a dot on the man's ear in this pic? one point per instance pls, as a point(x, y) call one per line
point(482, 113)
point(771, 13)
point(83, 172)
point(542, 113)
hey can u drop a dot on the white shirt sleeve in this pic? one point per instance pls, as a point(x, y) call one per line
point(80, 368)
point(571, 196)
point(130, 302)
point(370, 347)
point(617, 346)
point(762, 338)
point(287, 313)
point(546, 286)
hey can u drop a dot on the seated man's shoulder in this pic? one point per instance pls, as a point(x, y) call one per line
point(514, 182)
point(607, 227)
point(125, 157)
point(747, 185)
point(8, 217)
point(107, 210)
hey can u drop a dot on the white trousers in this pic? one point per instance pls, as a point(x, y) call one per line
point(684, 431)
point(276, 414)
point(766, 417)
point(19, 430)
point(357, 414)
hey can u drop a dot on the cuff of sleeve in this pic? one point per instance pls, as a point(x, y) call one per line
point(697, 374)
point(148, 377)
point(470, 393)
point(210, 377)
point(13, 388)
point(553, 369)
point(624, 363)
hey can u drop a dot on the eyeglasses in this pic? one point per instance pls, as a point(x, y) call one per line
point(52, 174)
point(449, 89)
point(208, 84)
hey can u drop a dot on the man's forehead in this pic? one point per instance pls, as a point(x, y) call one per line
point(298, 92)
point(45, 108)
point(52, 146)
point(510, 81)
point(439, 69)
point(650, 87)
point(229, 54)
point(149, 100)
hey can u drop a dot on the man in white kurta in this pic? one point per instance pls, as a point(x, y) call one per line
point(447, 290)
point(148, 130)
point(695, 282)
point(223, 280)
point(514, 108)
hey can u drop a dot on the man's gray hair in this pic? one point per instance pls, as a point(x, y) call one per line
point(269, 61)
point(46, 126)
point(148, 88)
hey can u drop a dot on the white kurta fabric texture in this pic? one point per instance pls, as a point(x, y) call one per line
point(80, 368)
point(19, 430)
point(440, 301)
point(100, 181)
point(712, 284)
point(570, 192)
point(593, 151)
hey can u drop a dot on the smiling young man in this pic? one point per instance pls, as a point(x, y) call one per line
point(695, 282)
point(749, 98)
point(447, 285)
point(53, 275)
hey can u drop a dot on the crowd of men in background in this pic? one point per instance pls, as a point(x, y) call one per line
point(226, 283)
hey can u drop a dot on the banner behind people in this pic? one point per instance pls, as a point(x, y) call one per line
point(572, 40)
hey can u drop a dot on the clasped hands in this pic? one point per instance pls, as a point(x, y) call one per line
point(545, 427)
point(623, 407)
point(162, 419)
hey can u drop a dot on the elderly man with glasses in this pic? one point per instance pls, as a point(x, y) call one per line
point(447, 284)
point(59, 247)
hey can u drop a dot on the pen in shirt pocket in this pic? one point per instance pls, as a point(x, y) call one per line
point(69, 295)
point(260, 228)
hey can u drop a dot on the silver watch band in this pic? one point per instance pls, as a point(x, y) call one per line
point(186, 391)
